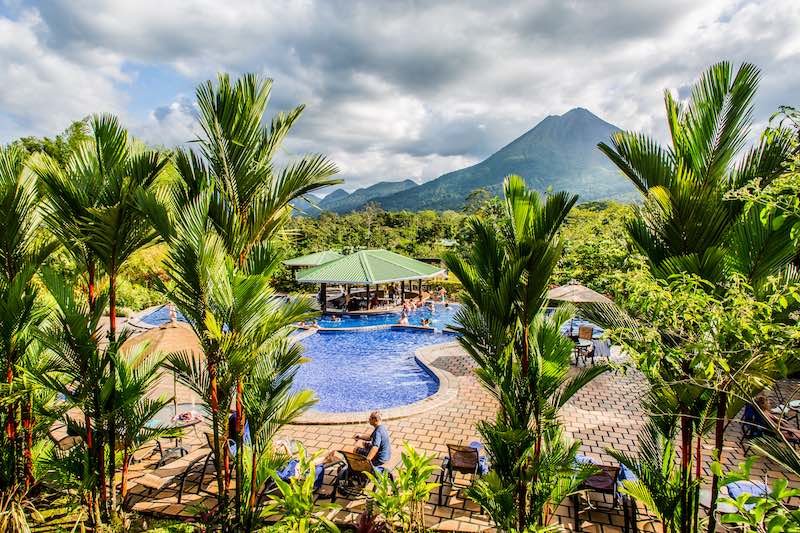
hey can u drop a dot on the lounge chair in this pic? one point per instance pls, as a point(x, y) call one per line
point(629, 508)
point(165, 475)
point(291, 448)
point(351, 477)
point(63, 442)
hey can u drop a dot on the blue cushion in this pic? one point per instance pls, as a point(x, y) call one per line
point(626, 474)
point(289, 471)
point(754, 488)
point(583, 460)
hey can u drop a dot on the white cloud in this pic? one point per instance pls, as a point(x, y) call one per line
point(41, 90)
point(392, 90)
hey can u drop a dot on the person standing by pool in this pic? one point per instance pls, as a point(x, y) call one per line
point(377, 445)
point(173, 314)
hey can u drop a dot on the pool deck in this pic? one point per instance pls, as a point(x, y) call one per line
point(605, 413)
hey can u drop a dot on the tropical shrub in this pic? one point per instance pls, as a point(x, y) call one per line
point(399, 498)
point(523, 360)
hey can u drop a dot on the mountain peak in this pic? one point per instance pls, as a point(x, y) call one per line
point(560, 151)
point(579, 111)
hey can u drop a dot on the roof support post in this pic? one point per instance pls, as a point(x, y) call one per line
point(403, 292)
point(323, 295)
point(368, 297)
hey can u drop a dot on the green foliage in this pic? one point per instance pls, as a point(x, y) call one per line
point(762, 514)
point(400, 498)
point(596, 252)
point(135, 297)
point(294, 501)
point(61, 147)
point(659, 486)
point(523, 360)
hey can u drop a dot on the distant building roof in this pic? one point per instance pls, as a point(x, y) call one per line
point(312, 260)
point(370, 267)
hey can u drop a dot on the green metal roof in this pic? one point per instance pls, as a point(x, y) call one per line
point(315, 259)
point(369, 267)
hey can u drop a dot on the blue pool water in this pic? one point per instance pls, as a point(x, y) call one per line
point(160, 316)
point(441, 318)
point(366, 370)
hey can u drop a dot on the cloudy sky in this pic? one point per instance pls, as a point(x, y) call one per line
point(393, 89)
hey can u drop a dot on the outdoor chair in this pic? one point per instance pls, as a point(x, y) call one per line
point(460, 459)
point(291, 447)
point(209, 458)
point(606, 481)
point(351, 477)
point(585, 332)
point(757, 424)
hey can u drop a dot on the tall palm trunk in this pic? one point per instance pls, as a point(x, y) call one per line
point(686, 454)
point(218, 460)
point(27, 426)
point(126, 461)
point(719, 444)
point(239, 424)
point(91, 289)
point(112, 425)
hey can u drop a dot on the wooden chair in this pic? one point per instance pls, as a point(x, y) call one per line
point(604, 482)
point(460, 459)
point(585, 333)
point(351, 477)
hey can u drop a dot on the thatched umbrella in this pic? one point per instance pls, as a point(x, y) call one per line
point(574, 292)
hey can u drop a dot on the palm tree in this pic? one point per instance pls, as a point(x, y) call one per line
point(137, 372)
point(521, 355)
point(22, 251)
point(251, 196)
point(688, 222)
point(93, 208)
point(243, 327)
point(75, 366)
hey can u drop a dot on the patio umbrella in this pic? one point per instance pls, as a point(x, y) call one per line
point(574, 292)
point(169, 338)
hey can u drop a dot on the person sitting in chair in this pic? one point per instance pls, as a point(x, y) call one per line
point(377, 447)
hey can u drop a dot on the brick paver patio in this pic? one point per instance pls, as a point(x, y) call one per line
point(606, 413)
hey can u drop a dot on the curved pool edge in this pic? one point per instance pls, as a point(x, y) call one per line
point(425, 355)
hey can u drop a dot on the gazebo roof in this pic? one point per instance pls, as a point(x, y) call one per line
point(315, 259)
point(370, 267)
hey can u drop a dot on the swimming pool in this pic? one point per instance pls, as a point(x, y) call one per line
point(160, 316)
point(365, 370)
point(441, 318)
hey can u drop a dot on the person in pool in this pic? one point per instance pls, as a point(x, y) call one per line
point(377, 446)
point(426, 322)
point(335, 318)
point(403, 319)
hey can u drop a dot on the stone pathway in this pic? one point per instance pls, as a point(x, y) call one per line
point(606, 413)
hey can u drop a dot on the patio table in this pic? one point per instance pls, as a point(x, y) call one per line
point(178, 450)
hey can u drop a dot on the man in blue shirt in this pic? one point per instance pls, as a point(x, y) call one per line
point(377, 446)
